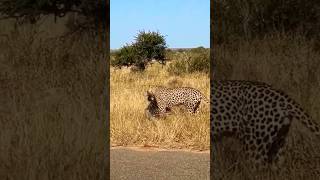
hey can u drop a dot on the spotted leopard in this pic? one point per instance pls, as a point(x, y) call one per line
point(258, 115)
point(162, 99)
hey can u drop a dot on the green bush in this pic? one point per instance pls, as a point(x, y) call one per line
point(126, 56)
point(178, 68)
point(194, 60)
point(199, 63)
point(147, 46)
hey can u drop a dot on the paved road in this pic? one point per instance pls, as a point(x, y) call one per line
point(130, 164)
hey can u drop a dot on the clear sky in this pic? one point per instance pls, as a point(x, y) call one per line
point(185, 23)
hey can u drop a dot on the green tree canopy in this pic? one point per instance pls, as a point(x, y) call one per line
point(126, 56)
point(147, 46)
point(151, 45)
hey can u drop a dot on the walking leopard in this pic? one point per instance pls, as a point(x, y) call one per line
point(162, 99)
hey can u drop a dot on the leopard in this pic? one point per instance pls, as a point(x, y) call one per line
point(162, 99)
point(258, 115)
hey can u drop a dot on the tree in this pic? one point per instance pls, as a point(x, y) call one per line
point(147, 46)
point(151, 45)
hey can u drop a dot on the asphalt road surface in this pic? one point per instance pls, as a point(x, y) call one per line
point(135, 164)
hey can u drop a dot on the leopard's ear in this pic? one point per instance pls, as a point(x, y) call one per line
point(150, 92)
point(147, 94)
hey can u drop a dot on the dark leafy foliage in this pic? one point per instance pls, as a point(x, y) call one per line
point(147, 46)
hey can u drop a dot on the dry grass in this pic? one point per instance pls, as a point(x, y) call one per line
point(128, 124)
point(290, 63)
point(52, 113)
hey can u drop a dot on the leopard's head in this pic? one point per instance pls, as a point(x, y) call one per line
point(150, 96)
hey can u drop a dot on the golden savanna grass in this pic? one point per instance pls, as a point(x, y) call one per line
point(129, 125)
point(290, 63)
point(53, 108)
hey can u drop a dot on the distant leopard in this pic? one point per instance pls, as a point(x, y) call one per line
point(257, 114)
point(162, 99)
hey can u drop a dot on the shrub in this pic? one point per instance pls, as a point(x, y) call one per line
point(126, 56)
point(148, 46)
point(200, 62)
point(194, 60)
point(178, 67)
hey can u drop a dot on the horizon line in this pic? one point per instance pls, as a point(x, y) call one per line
point(169, 48)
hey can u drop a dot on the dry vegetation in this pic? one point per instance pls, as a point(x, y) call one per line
point(290, 63)
point(129, 125)
point(53, 112)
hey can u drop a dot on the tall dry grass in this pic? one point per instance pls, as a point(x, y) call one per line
point(290, 63)
point(129, 125)
point(53, 112)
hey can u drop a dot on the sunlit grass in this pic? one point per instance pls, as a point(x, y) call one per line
point(130, 126)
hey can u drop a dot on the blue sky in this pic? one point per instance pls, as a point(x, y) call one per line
point(185, 23)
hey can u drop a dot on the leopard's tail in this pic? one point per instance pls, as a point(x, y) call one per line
point(299, 114)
